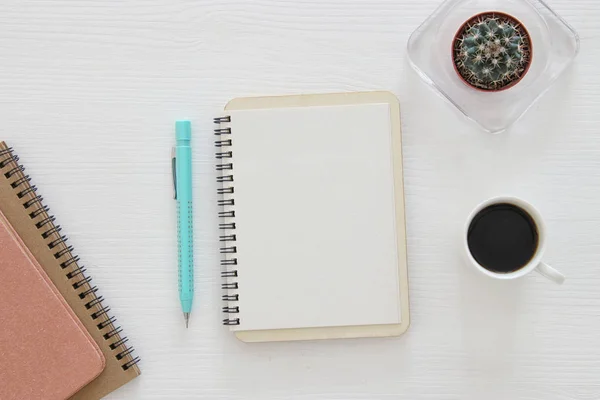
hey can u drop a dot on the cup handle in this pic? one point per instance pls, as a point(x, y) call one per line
point(550, 273)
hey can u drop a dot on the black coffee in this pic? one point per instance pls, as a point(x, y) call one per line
point(503, 238)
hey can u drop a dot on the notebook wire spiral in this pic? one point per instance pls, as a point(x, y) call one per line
point(227, 226)
point(57, 242)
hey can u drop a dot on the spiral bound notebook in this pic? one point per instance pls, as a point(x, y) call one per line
point(37, 362)
point(312, 219)
point(25, 210)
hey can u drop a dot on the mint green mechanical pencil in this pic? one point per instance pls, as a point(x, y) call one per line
point(182, 181)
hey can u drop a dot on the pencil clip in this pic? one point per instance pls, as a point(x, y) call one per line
point(174, 172)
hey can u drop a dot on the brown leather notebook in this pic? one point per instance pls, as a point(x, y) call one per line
point(31, 219)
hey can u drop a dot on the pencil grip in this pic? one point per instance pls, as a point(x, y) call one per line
point(185, 255)
point(227, 227)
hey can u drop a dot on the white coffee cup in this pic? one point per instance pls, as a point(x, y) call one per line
point(535, 264)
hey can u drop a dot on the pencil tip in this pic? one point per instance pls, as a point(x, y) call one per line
point(186, 315)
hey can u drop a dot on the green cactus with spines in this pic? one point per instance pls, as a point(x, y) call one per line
point(492, 51)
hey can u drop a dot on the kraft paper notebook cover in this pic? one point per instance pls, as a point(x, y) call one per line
point(45, 351)
point(312, 226)
point(25, 210)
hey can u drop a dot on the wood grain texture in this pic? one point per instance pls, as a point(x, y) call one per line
point(89, 94)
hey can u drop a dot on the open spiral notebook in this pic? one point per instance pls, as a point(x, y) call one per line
point(312, 225)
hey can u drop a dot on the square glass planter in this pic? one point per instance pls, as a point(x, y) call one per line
point(554, 46)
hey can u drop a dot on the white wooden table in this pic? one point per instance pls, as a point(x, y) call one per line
point(89, 92)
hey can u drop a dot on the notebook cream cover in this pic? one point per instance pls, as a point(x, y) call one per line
point(312, 221)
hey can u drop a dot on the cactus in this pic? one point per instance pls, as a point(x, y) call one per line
point(492, 51)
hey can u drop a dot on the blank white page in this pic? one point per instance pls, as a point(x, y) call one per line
point(315, 217)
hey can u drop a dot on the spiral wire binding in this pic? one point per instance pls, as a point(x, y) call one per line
point(10, 168)
point(228, 238)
